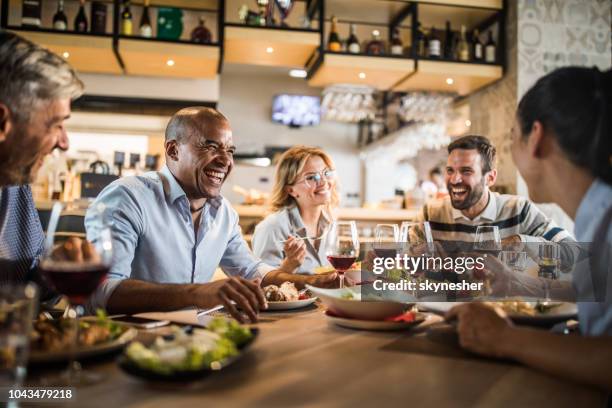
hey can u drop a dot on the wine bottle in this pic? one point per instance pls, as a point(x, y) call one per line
point(60, 22)
point(333, 43)
point(353, 43)
point(126, 19)
point(201, 34)
point(490, 49)
point(397, 48)
point(463, 49)
point(448, 42)
point(421, 42)
point(80, 22)
point(477, 46)
point(375, 46)
point(30, 13)
point(434, 44)
point(146, 30)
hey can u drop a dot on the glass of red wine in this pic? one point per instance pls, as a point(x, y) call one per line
point(75, 265)
point(386, 239)
point(342, 246)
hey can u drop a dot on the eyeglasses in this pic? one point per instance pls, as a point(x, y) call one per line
point(314, 179)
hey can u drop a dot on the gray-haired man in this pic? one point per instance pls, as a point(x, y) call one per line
point(36, 88)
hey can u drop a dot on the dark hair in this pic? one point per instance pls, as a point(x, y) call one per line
point(435, 170)
point(194, 120)
point(487, 151)
point(575, 105)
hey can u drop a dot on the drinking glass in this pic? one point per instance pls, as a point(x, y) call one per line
point(75, 267)
point(386, 239)
point(17, 306)
point(515, 260)
point(417, 240)
point(342, 246)
point(548, 265)
point(488, 239)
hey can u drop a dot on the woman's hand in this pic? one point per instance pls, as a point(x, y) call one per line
point(295, 253)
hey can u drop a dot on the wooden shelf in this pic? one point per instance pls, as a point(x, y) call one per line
point(248, 45)
point(433, 15)
point(466, 77)
point(150, 58)
point(381, 72)
point(490, 4)
point(87, 52)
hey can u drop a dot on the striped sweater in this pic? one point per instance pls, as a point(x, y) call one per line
point(514, 215)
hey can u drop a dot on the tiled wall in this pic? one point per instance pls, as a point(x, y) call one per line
point(542, 36)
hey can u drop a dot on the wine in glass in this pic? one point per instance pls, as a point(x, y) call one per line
point(342, 246)
point(488, 240)
point(386, 239)
point(75, 267)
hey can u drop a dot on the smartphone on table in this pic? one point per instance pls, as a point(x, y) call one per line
point(140, 322)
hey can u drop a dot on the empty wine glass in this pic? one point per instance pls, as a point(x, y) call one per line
point(342, 246)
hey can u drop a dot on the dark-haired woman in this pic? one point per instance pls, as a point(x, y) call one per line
point(562, 147)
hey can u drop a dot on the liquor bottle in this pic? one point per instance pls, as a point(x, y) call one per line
point(146, 30)
point(421, 42)
point(463, 49)
point(60, 22)
point(434, 44)
point(98, 17)
point(375, 46)
point(80, 22)
point(30, 13)
point(490, 49)
point(448, 42)
point(397, 48)
point(333, 44)
point(126, 19)
point(201, 34)
point(353, 43)
point(477, 46)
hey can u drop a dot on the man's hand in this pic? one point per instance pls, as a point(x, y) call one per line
point(247, 296)
point(76, 250)
point(324, 280)
point(481, 328)
point(295, 253)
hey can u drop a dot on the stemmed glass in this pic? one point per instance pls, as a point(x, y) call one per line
point(488, 240)
point(548, 265)
point(386, 239)
point(417, 239)
point(342, 246)
point(76, 266)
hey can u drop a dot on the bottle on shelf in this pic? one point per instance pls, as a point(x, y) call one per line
point(30, 13)
point(490, 49)
point(80, 21)
point(397, 48)
point(463, 49)
point(448, 42)
point(353, 43)
point(333, 43)
point(477, 49)
point(126, 19)
point(434, 48)
point(375, 46)
point(421, 42)
point(98, 17)
point(60, 22)
point(146, 29)
point(201, 34)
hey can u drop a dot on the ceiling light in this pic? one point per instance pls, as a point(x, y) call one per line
point(297, 73)
point(66, 54)
point(170, 63)
point(269, 50)
point(362, 75)
point(450, 81)
point(468, 123)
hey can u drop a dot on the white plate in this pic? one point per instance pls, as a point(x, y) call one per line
point(335, 300)
point(294, 304)
point(563, 312)
point(376, 325)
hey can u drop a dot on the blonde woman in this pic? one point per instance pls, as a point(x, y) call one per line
point(303, 198)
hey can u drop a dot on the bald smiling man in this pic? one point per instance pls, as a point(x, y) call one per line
point(172, 229)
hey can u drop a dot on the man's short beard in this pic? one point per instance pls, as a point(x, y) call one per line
point(473, 197)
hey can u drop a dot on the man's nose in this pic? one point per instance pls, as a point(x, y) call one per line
point(62, 141)
point(455, 178)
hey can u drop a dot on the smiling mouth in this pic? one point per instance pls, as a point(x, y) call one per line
point(458, 193)
point(215, 177)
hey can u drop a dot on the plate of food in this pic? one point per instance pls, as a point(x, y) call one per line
point(405, 321)
point(188, 353)
point(521, 311)
point(287, 297)
point(52, 339)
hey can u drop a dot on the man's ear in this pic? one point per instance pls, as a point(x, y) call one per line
point(491, 177)
point(171, 147)
point(535, 140)
point(6, 123)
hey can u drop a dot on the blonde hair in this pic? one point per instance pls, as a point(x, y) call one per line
point(290, 165)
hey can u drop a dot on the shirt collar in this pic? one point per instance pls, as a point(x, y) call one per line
point(595, 201)
point(174, 191)
point(489, 213)
point(296, 220)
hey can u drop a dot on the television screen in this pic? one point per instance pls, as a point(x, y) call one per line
point(296, 110)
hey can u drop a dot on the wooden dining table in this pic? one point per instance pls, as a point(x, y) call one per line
point(301, 359)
